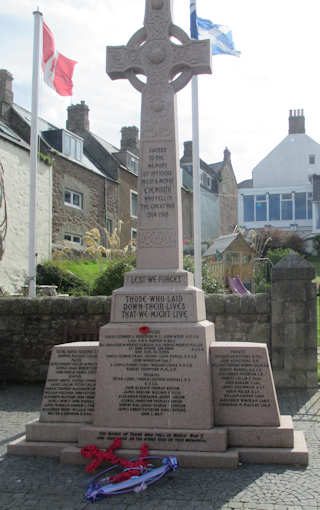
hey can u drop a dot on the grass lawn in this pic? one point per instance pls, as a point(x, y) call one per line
point(87, 270)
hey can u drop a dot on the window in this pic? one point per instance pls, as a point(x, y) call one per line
point(133, 203)
point(248, 206)
point(317, 215)
point(72, 146)
point(312, 159)
point(261, 208)
point(274, 207)
point(109, 225)
point(133, 234)
point(309, 206)
point(133, 165)
point(233, 257)
point(73, 199)
point(286, 206)
point(205, 180)
point(73, 238)
point(300, 206)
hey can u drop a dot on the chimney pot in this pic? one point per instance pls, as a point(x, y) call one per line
point(296, 122)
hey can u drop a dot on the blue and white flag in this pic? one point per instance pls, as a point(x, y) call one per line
point(220, 35)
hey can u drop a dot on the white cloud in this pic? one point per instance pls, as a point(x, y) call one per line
point(244, 105)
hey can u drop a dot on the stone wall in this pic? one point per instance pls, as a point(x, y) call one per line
point(128, 183)
point(30, 327)
point(72, 220)
point(294, 323)
point(285, 321)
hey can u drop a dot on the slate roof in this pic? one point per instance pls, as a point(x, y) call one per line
point(10, 135)
point(248, 183)
point(46, 126)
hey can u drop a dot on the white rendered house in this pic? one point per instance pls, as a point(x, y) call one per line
point(284, 191)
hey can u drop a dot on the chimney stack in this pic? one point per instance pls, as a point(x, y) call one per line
point(130, 139)
point(296, 122)
point(6, 93)
point(78, 118)
point(187, 150)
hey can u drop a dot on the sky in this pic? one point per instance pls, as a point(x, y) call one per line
point(244, 105)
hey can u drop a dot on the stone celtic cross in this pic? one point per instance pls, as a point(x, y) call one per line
point(167, 68)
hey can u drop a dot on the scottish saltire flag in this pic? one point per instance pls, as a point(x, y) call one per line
point(220, 35)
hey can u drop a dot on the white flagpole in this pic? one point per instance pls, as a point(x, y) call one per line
point(196, 171)
point(37, 42)
point(196, 185)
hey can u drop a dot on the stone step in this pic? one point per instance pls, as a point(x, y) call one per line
point(223, 460)
point(298, 455)
point(53, 432)
point(263, 437)
point(38, 448)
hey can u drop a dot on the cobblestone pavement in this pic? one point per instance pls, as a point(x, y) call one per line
point(28, 483)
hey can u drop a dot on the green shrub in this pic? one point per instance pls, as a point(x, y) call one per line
point(209, 283)
point(316, 244)
point(67, 282)
point(113, 277)
point(276, 255)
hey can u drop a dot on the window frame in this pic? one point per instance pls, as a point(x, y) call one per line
point(72, 238)
point(133, 234)
point(133, 193)
point(73, 194)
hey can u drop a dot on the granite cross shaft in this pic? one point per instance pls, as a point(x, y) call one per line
point(168, 67)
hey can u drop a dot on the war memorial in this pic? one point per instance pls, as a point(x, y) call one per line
point(157, 375)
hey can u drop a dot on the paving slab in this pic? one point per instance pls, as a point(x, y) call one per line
point(27, 483)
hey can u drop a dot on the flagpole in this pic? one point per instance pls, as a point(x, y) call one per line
point(196, 159)
point(196, 184)
point(37, 40)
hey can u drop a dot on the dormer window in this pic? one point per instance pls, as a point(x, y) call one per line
point(65, 142)
point(133, 164)
point(72, 146)
point(206, 180)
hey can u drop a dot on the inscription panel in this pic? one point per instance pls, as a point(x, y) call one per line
point(244, 392)
point(150, 278)
point(156, 307)
point(157, 439)
point(159, 205)
point(70, 388)
point(151, 377)
point(157, 195)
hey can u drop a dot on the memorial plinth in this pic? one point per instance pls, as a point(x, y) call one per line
point(157, 375)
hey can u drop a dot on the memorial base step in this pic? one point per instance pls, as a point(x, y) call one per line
point(263, 437)
point(69, 453)
point(298, 455)
point(216, 439)
point(222, 460)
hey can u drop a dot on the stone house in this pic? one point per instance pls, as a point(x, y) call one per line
point(218, 194)
point(284, 190)
point(78, 186)
point(120, 168)
point(14, 209)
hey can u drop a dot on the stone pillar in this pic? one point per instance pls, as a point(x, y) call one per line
point(294, 323)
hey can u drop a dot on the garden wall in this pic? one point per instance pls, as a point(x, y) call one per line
point(286, 322)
